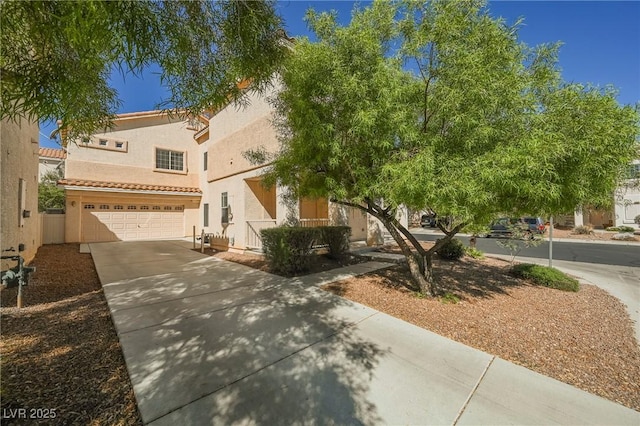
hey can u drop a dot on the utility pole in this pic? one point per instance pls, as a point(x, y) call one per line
point(550, 241)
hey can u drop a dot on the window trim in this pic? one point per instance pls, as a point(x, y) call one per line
point(95, 142)
point(160, 170)
point(224, 208)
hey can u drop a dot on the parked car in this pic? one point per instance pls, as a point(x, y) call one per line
point(503, 227)
point(428, 220)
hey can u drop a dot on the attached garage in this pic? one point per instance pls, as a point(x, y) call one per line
point(125, 222)
point(97, 213)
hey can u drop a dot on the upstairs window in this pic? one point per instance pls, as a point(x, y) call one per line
point(106, 143)
point(205, 160)
point(169, 160)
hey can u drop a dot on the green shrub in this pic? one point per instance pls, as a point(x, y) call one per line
point(288, 249)
point(337, 240)
point(474, 252)
point(582, 230)
point(451, 250)
point(637, 219)
point(621, 228)
point(449, 298)
point(548, 277)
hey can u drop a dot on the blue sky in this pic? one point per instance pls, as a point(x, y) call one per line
point(601, 45)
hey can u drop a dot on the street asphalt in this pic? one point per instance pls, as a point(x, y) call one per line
point(212, 342)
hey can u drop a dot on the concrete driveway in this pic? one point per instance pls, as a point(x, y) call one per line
point(212, 342)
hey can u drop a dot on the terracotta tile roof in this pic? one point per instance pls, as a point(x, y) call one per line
point(128, 186)
point(52, 153)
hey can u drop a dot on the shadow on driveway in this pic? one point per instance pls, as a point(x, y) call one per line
point(220, 342)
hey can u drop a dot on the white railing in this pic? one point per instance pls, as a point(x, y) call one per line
point(253, 238)
point(310, 223)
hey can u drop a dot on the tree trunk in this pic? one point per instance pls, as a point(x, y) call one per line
point(421, 269)
point(419, 259)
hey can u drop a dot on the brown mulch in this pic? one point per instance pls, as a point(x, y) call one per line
point(585, 339)
point(320, 263)
point(60, 352)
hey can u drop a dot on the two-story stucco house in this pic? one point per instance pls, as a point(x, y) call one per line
point(236, 203)
point(139, 180)
point(157, 176)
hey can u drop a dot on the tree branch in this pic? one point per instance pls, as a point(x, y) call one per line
point(447, 237)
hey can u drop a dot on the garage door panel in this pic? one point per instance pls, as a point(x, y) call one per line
point(114, 225)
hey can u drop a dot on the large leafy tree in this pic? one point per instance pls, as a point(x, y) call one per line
point(439, 105)
point(57, 55)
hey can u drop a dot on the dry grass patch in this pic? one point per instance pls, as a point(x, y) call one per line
point(585, 339)
point(61, 351)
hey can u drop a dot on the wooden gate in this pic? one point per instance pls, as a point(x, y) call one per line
point(52, 228)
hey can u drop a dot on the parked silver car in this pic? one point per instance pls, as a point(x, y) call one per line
point(504, 226)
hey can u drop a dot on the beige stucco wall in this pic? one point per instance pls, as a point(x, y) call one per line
point(244, 206)
point(235, 130)
point(75, 199)
point(136, 164)
point(349, 216)
point(19, 160)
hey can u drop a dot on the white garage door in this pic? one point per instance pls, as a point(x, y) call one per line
point(123, 222)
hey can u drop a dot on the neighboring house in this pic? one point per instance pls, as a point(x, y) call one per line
point(627, 202)
point(626, 205)
point(20, 223)
point(154, 176)
point(51, 160)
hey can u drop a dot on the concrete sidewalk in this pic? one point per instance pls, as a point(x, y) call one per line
point(213, 342)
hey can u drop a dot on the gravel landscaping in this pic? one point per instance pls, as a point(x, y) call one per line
point(60, 353)
point(585, 339)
